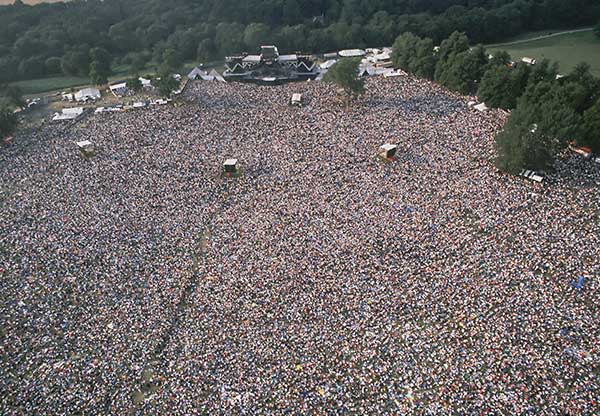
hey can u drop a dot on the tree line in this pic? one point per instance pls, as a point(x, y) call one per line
point(548, 110)
point(58, 38)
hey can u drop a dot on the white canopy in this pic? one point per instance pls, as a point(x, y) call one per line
point(230, 162)
point(348, 53)
point(481, 107)
point(84, 143)
point(86, 93)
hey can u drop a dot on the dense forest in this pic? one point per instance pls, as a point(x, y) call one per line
point(49, 39)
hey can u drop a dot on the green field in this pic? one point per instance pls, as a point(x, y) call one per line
point(568, 50)
point(35, 86)
point(65, 83)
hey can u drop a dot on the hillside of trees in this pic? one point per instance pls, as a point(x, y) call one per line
point(52, 39)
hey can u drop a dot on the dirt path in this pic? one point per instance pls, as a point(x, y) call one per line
point(566, 32)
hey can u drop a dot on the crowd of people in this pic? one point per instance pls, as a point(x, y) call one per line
point(323, 280)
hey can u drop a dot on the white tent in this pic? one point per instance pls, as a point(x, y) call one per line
point(84, 143)
point(481, 107)
point(216, 76)
point(531, 174)
point(87, 94)
point(296, 99)
point(396, 73)
point(327, 64)
point(350, 53)
point(119, 89)
point(68, 114)
point(196, 72)
point(146, 83)
point(529, 61)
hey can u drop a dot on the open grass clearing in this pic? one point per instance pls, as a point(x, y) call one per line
point(567, 49)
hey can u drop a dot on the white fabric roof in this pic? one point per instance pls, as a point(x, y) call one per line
point(291, 57)
point(84, 143)
point(216, 76)
point(252, 58)
point(328, 64)
point(195, 73)
point(481, 107)
point(75, 111)
point(87, 92)
point(122, 85)
point(346, 53)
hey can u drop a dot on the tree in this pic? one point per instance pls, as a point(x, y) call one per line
point(99, 65)
point(229, 38)
point(52, 65)
point(414, 55)
point(166, 84)
point(500, 58)
point(134, 84)
point(170, 63)
point(452, 56)
point(585, 85)
point(32, 68)
point(501, 86)
point(8, 122)
point(11, 96)
point(540, 127)
point(495, 88)
point(345, 75)
point(591, 127)
point(206, 50)
point(291, 12)
point(255, 35)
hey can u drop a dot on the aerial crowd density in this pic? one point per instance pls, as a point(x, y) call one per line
point(321, 281)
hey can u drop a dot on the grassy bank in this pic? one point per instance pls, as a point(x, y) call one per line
point(567, 49)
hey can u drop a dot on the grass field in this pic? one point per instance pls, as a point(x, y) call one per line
point(64, 83)
point(35, 86)
point(568, 50)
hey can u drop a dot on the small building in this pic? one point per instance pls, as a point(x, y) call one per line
point(87, 94)
point(531, 174)
point(146, 83)
point(67, 97)
point(119, 90)
point(68, 114)
point(230, 166)
point(481, 107)
point(529, 61)
point(86, 147)
point(296, 99)
point(388, 151)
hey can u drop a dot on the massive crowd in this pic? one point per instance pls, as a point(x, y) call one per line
point(321, 281)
